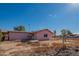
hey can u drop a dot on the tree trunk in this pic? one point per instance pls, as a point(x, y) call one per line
point(63, 42)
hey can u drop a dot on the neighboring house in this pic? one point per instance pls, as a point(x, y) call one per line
point(72, 36)
point(37, 35)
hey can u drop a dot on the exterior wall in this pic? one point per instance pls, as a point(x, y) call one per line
point(19, 36)
point(6, 37)
point(40, 35)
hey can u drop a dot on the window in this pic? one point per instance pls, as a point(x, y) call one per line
point(29, 37)
point(45, 35)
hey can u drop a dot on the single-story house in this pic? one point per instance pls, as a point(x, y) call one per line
point(37, 35)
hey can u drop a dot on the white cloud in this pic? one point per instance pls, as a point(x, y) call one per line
point(52, 15)
point(72, 7)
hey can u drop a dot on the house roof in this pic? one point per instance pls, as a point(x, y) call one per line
point(19, 32)
point(41, 31)
point(30, 32)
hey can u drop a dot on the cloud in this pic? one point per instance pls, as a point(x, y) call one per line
point(72, 7)
point(51, 15)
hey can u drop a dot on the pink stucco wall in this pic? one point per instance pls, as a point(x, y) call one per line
point(28, 36)
point(19, 35)
point(40, 35)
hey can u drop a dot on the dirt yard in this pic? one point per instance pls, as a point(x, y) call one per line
point(37, 48)
point(22, 48)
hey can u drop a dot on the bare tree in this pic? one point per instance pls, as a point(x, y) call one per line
point(54, 34)
point(63, 35)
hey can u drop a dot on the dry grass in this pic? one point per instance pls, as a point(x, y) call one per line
point(19, 48)
point(28, 48)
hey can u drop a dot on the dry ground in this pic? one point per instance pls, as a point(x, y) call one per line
point(22, 48)
point(11, 48)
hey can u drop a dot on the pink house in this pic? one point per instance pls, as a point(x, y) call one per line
point(38, 35)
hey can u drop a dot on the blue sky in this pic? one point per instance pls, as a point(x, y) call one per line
point(40, 16)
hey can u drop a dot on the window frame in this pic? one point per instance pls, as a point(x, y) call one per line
point(45, 35)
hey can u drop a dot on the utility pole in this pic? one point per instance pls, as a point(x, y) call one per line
point(29, 27)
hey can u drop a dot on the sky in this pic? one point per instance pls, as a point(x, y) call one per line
point(37, 16)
